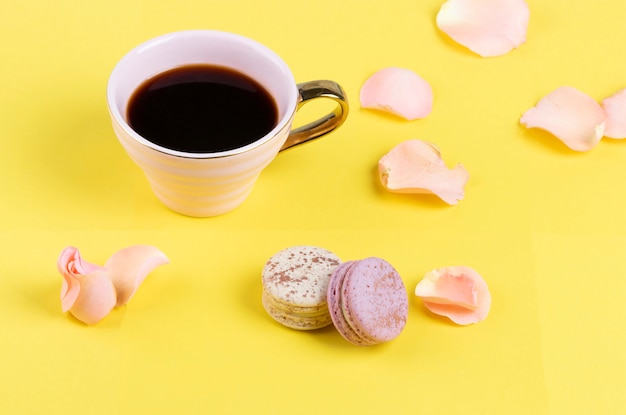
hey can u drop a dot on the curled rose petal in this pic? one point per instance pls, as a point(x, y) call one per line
point(486, 27)
point(615, 109)
point(570, 115)
point(128, 268)
point(71, 265)
point(90, 291)
point(459, 293)
point(399, 91)
point(416, 166)
point(96, 298)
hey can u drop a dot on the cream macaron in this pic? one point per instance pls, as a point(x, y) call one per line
point(295, 284)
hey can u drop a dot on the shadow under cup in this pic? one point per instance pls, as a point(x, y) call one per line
point(206, 184)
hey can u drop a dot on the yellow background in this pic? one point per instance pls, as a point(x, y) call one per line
point(545, 226)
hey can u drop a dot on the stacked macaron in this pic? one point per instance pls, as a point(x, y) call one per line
point(295, 282)
point(307, 287)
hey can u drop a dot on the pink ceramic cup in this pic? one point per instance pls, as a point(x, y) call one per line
point(210, 184)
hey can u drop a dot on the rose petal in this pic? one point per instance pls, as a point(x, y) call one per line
point(486, 27)
point(96, 298)
point(416, 166)
point(570, 115)
point(615, 109)
point(71, 265)
point(458, 293)
point(448, 289)
point(128, 268)
point(399, 91)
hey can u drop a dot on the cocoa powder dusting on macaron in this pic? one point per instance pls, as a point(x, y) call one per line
point(295, 282)
point(368, 301)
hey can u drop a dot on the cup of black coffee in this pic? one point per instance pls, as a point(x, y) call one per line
point(203, 112)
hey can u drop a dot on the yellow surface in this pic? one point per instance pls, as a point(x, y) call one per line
point(545, 226)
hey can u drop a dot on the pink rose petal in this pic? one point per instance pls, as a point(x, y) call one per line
point(615, 109)
point(399, 91)
point(458, 293)
point(96, 298)
point(486, 27)
point(572, 116)
point(448, 289)
point(416, 166)
point(128, 268)
point(71, 265)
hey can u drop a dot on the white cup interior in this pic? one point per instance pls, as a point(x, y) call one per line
point(201, 47)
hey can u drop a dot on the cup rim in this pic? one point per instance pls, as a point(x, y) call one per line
point(120, 119)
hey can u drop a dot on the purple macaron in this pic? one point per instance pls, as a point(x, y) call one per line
point(367, 301)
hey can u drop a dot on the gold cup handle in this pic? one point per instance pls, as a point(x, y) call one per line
point(319, 89)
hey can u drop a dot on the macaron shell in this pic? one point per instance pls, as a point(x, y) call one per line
point(374, 300)
point(335, 308)
point(299, 275)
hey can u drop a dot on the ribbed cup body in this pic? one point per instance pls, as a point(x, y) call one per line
point(201, 184)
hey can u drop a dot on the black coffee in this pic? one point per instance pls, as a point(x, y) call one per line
point(202, 109)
